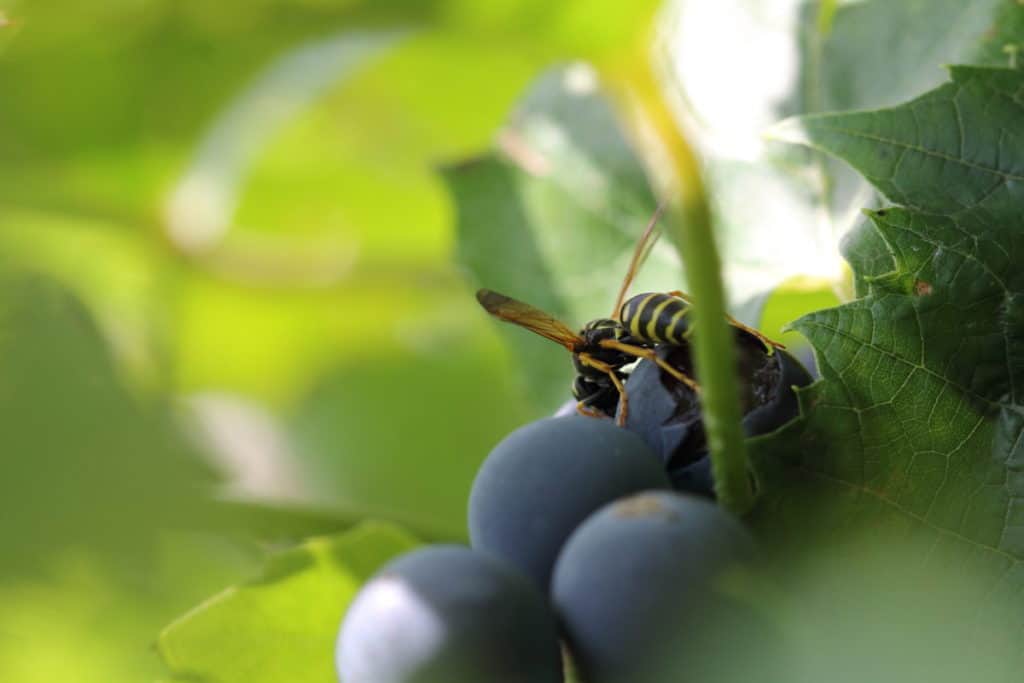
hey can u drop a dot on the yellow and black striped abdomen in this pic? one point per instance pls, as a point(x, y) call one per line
point(656, 318)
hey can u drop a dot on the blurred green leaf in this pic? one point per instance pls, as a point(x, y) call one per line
point(1004, 39)
point(839, 74)
point(86, 462)
point(793, 299)
point(103, 622)
point(857, 607)
point(115, 271)
point(281, 626)
point(401, 437)
point(551, 218)
point(915, 430)
point(99, 129)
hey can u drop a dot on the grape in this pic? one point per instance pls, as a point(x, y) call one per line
point(780, 403)
point(635, 586)
point(666, 413)
point(544, 479)
point(448, 614)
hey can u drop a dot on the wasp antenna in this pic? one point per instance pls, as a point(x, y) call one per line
point(643, 248)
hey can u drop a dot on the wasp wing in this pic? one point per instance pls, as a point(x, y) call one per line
point(525, 315)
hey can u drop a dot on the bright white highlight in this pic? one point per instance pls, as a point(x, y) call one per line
point(366, 637)
point(736, 60)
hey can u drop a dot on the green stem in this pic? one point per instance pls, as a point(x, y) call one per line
point(713, 342)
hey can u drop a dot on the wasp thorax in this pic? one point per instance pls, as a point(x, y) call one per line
point(601, 329)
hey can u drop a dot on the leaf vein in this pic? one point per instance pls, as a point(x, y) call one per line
point(1005, 175)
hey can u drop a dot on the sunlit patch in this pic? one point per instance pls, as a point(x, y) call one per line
point(199, 210)
point(580, 79)
point(735, 86)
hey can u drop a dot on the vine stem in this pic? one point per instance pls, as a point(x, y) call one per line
point(637, 88)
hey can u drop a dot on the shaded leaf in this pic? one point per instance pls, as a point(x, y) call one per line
point(1004, 39)
point(915, 430)
point(401, 438)
point(85, 460)
point(956, 148)
point(102, 621)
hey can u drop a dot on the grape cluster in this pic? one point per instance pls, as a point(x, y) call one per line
point(590, 543)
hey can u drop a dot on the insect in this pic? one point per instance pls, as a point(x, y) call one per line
point(605, 346)
point(663, 318)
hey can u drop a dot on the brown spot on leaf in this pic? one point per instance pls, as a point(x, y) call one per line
point(922, 288)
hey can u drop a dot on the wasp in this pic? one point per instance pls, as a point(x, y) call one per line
point(604, 347)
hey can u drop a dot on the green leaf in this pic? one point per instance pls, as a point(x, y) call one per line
point(933, 148)
point(916, 430)
point(951, 150)
point(86, 460)
point(1004, 40)
point(102, 616)
point(401, 438)
point(551, 216)
point(787, 302)
point(832, 56)
point(840, 74)
point(282, 625)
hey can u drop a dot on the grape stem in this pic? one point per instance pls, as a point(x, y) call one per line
point(638, 90)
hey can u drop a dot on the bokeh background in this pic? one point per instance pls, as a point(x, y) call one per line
point(239, 243)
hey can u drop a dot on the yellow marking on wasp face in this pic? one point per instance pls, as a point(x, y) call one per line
point(634, 323)
point(670, 330)
point(652, 324)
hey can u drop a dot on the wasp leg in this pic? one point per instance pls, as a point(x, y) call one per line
point(770, 343)
point(649, 354)
point(590, 361)
point(589, 411)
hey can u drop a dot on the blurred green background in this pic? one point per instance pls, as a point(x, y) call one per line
point(232, 311)
point(221, 231)
point(231, 317)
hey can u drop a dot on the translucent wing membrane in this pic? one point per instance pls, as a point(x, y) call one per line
point(533, 319)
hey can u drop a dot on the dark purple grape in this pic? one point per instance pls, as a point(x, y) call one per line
point(544, 479)
point(636, 587)
point(448, 614)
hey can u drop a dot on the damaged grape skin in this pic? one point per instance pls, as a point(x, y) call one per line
point(666, 413)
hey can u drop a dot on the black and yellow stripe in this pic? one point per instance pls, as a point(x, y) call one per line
point(656, 318)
